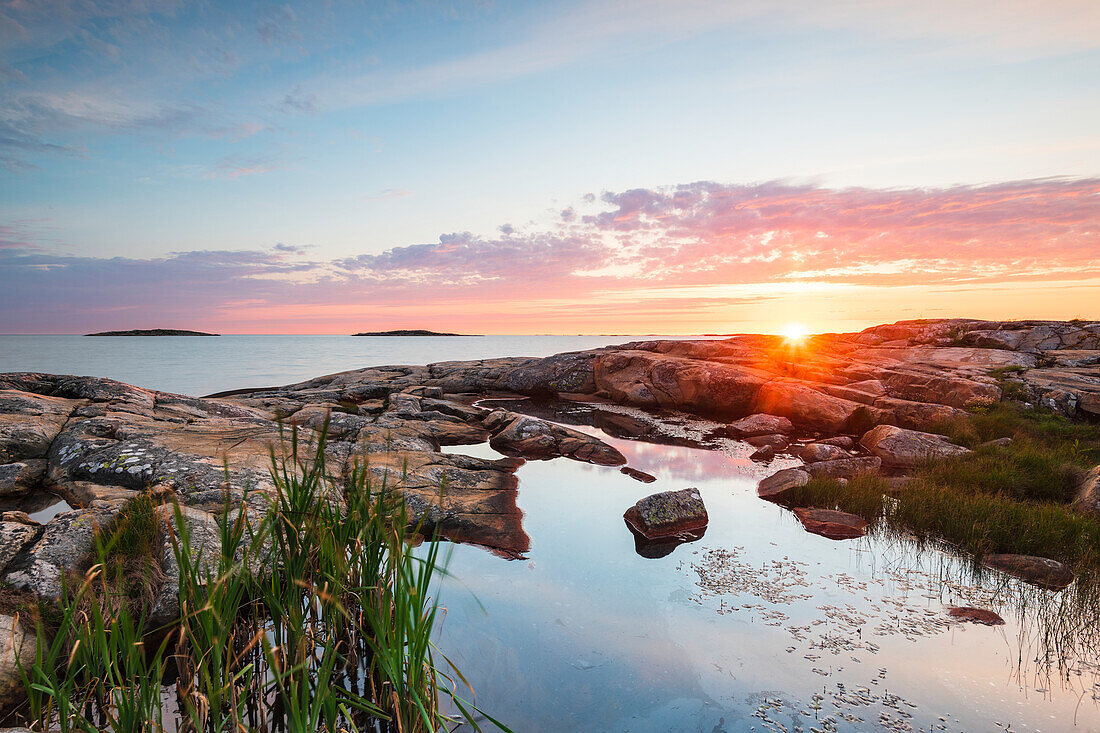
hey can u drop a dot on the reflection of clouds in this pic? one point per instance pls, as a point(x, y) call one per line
point(689, 464)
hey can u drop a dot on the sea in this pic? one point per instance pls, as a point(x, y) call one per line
point(203, 365)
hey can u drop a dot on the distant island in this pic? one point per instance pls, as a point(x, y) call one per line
point(153, 332)
point(412, 332)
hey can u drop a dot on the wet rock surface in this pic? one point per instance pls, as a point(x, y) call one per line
point(760, 424)
point(637, 475)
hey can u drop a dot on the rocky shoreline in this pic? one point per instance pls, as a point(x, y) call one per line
point(842, 403)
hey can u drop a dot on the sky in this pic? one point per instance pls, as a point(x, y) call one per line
point(607, 166)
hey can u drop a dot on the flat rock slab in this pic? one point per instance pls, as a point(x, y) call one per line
point(1039, 571)
point(975, 615)
point(668, 513)
point(831, 523)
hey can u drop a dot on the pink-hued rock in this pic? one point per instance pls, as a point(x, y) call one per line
point(975, 615)
point(845, 467)
point(531, 438)
point(776, 486)
point(831, 523)
point(1040, 571)
point(901, 448)
point(806, 406)
point(1088, 493)
point(637, 475)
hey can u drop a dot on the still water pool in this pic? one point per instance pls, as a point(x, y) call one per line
point(758, 625)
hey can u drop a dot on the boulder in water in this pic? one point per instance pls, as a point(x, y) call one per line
point(668, 513)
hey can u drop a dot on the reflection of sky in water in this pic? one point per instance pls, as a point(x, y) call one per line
point(590, 636)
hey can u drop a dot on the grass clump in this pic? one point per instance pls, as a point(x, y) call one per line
point(1044, 461)
point(129, 553)
point(1024, 471)
point(1001, 498)
point(315, 615)
point(975, 523)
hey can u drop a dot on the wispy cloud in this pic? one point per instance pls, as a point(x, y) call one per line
point(388, 193)
point(976, 28)
point(236, 166)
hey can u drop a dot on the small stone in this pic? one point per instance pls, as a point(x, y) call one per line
point(637, 475)
point(975, 615)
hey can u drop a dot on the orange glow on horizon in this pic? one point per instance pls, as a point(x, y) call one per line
point(794, 333)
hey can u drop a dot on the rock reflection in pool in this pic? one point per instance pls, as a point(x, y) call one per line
point(40, 506)
point(860, 636)
point(662, 546)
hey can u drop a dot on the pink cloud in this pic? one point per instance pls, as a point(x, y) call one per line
point(625, 252)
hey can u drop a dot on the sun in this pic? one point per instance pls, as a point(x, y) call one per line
point(794, 332)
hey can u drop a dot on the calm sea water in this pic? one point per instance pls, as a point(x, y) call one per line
point(205, 365)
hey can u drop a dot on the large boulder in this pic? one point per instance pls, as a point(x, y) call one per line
point(901, 448)
point(29, 423)
point(937, 388)
point(571, 373)
point(14, 536)
point(63, 547)
point(1040, 571)
point(668, 513)
point(916, 415)
point(646, 379)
